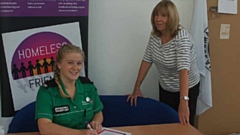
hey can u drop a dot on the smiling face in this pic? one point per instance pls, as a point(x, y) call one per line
point(161, 21)
point(70, 66)
point(165, 19)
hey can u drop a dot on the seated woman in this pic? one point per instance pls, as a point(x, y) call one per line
point(65, 104)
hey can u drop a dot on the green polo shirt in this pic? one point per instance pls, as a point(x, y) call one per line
point(72, 113)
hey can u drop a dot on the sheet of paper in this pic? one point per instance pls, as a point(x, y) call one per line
point(227, 6)
point(225, 31)
point(109, 131)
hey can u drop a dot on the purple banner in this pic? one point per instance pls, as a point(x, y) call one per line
point(20, 8)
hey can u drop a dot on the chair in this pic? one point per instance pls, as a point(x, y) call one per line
point(24, 120)
point(118, 112)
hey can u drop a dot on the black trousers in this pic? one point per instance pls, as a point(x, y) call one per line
point(172, 99)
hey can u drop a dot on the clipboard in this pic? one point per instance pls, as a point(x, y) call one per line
point(109, 131)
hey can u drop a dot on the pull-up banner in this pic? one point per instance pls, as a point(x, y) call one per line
point(31, 55)
point(31, 33)
point(44, 8)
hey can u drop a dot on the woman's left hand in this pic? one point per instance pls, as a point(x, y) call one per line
point(183, 112)
point(96, 125)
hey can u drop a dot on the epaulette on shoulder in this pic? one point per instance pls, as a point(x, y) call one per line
point(85, 80)
point(50, 83)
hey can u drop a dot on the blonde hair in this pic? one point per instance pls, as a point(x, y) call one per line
point(168, 8)
point(65, 49)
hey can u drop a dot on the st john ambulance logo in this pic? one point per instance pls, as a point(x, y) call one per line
point(206, 50)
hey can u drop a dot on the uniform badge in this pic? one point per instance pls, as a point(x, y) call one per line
point(45, 85)
point(61, 109)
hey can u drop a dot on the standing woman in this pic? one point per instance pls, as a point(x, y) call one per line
point(172, 51)
point(68, 102)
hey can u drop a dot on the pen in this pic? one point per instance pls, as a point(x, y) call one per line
point(89, 126)
point(84, 112)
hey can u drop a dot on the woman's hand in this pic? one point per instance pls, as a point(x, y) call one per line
point(183, 112)
point(133, 97)
point(96, 125)
point(88, 132)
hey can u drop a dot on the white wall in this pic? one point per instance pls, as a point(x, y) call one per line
point(118, 35)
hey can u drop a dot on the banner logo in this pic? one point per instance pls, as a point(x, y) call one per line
point(35, 55)
point(206, 50)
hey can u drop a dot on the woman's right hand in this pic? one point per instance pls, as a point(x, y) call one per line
point(89, 132)
point(133, 97)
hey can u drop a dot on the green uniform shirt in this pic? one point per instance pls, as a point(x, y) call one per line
point(65, 111)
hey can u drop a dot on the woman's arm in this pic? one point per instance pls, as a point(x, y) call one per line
point(96, 123)
point(46, 127)
point(183, 78)
point(183, 110)
point(144, 68)
point(98, 117)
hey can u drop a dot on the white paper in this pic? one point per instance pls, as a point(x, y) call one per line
point(109, 131)
point(227, 6)
point(225, 31)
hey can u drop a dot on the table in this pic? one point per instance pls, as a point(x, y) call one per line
point(161, 129)
point(158, 129)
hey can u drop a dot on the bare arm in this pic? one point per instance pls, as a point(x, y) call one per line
point(183, 110)
point(144, 68)
point(183, 76)
point(96, 123)
point(46, 127)
point(98, 117)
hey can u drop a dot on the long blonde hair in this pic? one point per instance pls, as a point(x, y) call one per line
point(166, 7)
point(65, 49)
